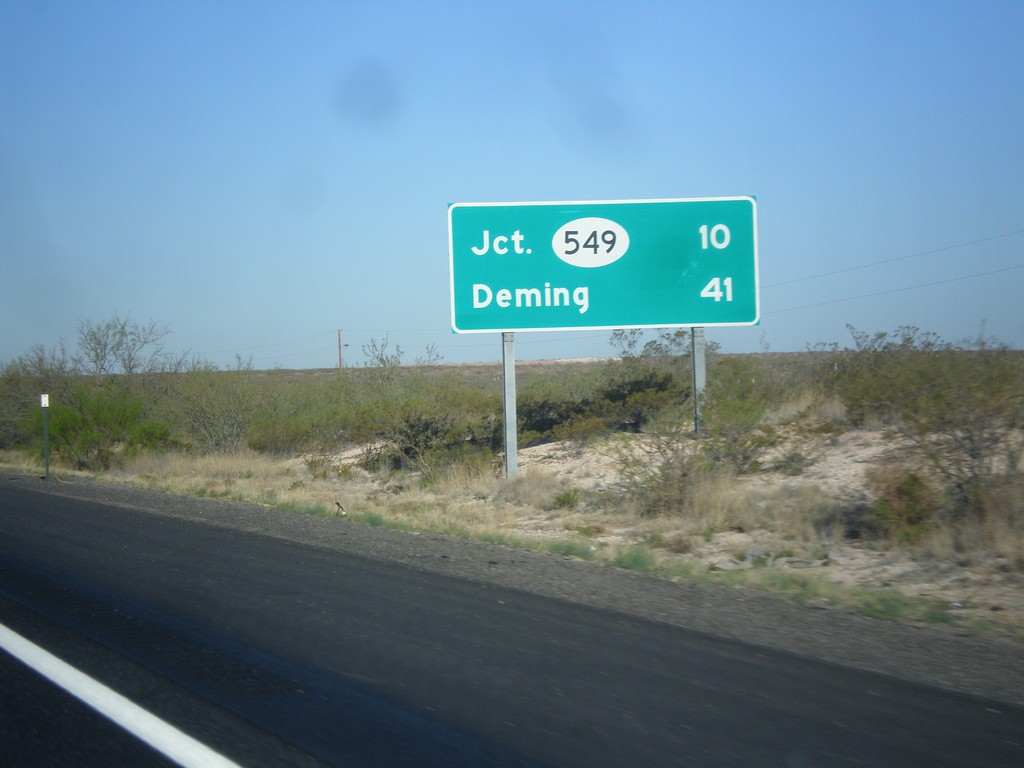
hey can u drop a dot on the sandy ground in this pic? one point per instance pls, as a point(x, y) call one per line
point(982, 593)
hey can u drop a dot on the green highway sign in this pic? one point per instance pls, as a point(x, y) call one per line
point(603, 265)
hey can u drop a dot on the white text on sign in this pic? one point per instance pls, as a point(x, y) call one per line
point(483, 295)
point(500, 244)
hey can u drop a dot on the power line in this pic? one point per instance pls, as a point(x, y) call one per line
point(896, 290)
point(265, 346)
point(530, 339)
point(296, 354)
point(896, 258)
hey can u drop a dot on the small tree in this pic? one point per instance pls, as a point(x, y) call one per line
point(125, 347)
point(216, 407)
point(385, 363)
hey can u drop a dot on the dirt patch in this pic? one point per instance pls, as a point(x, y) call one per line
point(986, 593)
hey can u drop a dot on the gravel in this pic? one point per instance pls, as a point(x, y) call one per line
point(987, 666)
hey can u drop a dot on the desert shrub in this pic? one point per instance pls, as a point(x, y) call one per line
point(124, 347)
point(104, 395)
point(567, 498)
point(151, 434)
point(994, 535)
point(669, 489)
point(22, 381)
point(965, 418)
point(300, 416)
point(421, 435)
point(906, 506)
point(733, 429)
point(627, 399)
point(433, 425)
point(636, 396)
point(873, 377)
point(475, 473)
point(793, 463)
point(92, 423)
point(656, 472)
point(538, 416)
point(217, 408)
point(282, 434)
point(318, 465)
point(1001, 531)
point(960, 405)
point(581, 430)
point(18, 393)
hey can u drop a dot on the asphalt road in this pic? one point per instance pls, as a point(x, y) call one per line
point(276, 652)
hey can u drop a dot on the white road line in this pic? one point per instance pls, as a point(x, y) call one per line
point(162, 736)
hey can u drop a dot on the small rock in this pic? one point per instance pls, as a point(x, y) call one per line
point(732, 564)
point(835, 556)
point(800, 562)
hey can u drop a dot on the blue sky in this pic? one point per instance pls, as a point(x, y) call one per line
point(257, 175)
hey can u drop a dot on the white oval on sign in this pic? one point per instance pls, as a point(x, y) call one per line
point(590, 242)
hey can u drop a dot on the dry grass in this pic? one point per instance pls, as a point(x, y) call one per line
point(399, 501)
point(23, 462)
point(798, 518)
point(19, 461)
point(998, 536)
point(241, 475)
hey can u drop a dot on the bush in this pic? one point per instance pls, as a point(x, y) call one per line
point(281, 435)
point(739, 392)
point(657, 472)
point(629, 399)
point(906, 505)
point(537, 417)
point(581, 430)
point(874, 378)
point(961, 406)
point(39, 372)
point(635, 396)
point(217, 408)
point(965, 418)
point(432, 428)
point(93, 423)
point(568, 498)
point(151, 434)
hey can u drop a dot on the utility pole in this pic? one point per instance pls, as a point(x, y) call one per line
point(339, 350)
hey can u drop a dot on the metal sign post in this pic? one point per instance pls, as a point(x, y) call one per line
point(508, 360)
point(699, 376)
point(45, 403)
